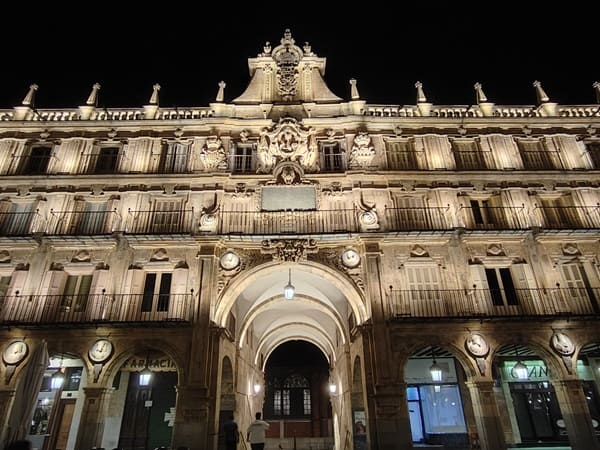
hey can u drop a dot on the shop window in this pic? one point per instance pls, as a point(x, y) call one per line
point(72, 378)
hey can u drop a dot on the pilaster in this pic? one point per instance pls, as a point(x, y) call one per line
point(6, 399)
point(392, 423)
point(489, 426)
point(191, 418)
point(576, 414)
point(95, 409)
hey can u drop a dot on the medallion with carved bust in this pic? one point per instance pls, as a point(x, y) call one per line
point(15, 352)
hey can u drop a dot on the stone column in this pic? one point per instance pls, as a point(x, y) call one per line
point(489, 426)
point(191, 418)
point(391, 419)
point(6, 399)
point(575, 412)
point(93, 415)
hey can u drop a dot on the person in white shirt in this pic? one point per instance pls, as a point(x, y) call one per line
point(256, 433)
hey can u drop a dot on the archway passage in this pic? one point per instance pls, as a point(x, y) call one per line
point(297, 403)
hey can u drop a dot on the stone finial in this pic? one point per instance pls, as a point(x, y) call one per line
point(29, 98)
point(154, 98)
point(539, 90)
point(481, 98)
point(354, 90)
point(221, 93)
point(420, 94)
point(93, 98)
point(287, 38)
point(307, 49)
point(596, 87)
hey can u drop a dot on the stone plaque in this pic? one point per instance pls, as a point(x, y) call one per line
point(280, 198)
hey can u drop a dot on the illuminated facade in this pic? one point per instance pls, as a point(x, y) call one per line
point(443, 260)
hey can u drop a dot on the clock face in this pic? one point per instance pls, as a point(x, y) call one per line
point(100, 351)
point(477, 345)
point(350, 258)
point(229, 260)
point(15, 352)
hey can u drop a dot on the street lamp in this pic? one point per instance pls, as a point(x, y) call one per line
point(289, 289)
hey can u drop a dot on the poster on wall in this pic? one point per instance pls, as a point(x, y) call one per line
point(360, 430)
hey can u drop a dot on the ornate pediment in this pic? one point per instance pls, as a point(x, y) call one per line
point(289, 250)
point(287, 141)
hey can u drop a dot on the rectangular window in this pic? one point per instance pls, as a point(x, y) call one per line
point(535, 156)
point(72, 378)
point(4, 284)
point(91, 219)
point(286, 402)
point(501, 286)
point(467, 155)
point(15, 218)
point(401, 156)
point(306, 401)
point(593, 149)
point(578, 284)
point(442, 409)
point(37, 161)
point(76, 293)
point(107, 160)
point(332, 157)
point(560, 213)
point(167, 216)
point(174, 158)
point(277, 402)
point(409, 213)
point(157, 291)
point(242, 158)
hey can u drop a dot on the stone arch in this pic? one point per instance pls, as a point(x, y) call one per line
point(113, 366)
point(288, 339)
point(353, 295)
point(256, 310)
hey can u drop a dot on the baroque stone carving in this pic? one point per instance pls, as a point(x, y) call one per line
point(334, 258)
point(367, 216)
point(288, 141)
point(289, 250)
point(287, 56)
point(362, 152)
point(212, 155)
point(208, 217)
point(248, 259)
point(564, 347)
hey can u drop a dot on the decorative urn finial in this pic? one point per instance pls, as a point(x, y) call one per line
point(354, 90)
point(420, 94)
point(29, 98)
point(93, 98)
point(481, 98)
point(154, 98)
point(221, 93)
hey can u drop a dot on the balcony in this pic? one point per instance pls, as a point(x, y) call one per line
point(18, 223)
point(167, 221)
point(568, 217)
point(491, 303)
point(96, 309)
point(87, 223)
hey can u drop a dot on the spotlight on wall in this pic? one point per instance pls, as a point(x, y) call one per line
point(256, 388)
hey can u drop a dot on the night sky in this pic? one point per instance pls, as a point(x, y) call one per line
point(189, 49)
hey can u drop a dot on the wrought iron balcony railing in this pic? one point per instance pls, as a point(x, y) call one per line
point(101, 308)
point(494, 302)
point(87, 223)
point(159, 221)
point(314, 222)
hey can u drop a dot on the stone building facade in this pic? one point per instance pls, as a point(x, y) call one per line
point(444, 259)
